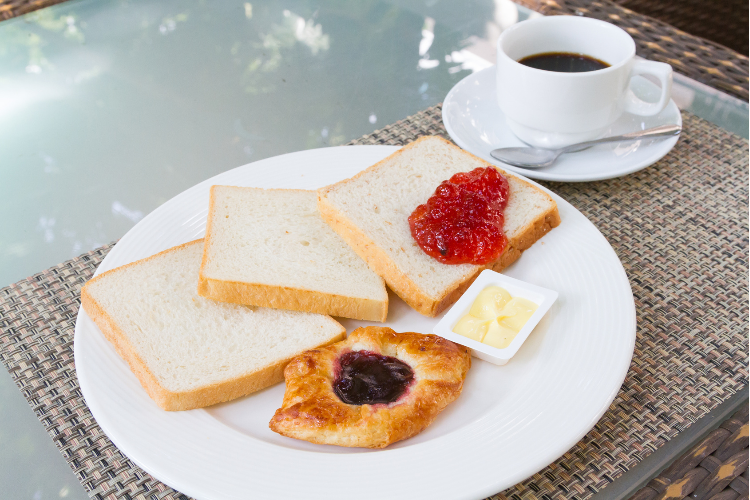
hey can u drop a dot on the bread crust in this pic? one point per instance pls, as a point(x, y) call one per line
point(281, 297)
point(311, 411)
point(197, 398)
point(397, 280)
point(295, 299)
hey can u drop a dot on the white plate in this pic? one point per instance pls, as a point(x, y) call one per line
point(476, 123)
point(510, 421)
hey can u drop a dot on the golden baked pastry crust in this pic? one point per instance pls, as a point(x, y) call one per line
point(311, 411)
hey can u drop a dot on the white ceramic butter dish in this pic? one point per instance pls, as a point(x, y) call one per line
point(517, 288)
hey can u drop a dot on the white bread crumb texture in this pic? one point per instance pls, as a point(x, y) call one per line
point(277, 237)
point(188, 341)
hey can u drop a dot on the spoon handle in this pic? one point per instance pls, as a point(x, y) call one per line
point(663, 130)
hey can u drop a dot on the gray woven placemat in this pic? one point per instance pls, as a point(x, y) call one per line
point(679, 227)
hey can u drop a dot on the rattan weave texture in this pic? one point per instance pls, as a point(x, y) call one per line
point(714, 469)
point(695, 57)
point(724, 22)
point(13, 8)
point(679, 227)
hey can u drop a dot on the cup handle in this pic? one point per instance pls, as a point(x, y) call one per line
point(663, 72)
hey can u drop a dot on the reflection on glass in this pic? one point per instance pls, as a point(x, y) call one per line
point(428, 36)
point(480, 51)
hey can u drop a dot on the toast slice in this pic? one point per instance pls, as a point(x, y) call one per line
point(187, 351)
point(370, 212)
point(271, 248)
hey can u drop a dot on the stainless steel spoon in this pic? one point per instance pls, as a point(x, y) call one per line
point(539, 157)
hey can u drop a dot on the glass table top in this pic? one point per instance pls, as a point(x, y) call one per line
point(109, 109)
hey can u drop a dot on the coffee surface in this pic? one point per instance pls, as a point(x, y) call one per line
point(564, 62)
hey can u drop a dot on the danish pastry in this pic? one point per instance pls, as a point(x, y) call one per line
point(370, 390)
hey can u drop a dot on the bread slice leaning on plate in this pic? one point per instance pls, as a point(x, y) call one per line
point(271, 248)
point(188, 351)
point(370, 212)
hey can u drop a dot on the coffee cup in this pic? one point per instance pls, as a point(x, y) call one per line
point(552, 109)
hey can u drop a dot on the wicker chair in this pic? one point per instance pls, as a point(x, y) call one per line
point(715, 469)
point(724, 22)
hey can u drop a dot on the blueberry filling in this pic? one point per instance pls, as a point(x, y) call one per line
point(365, 377)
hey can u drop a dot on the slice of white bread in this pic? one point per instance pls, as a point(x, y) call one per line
point(187, 351)
point(371, 210)
point(271, 248)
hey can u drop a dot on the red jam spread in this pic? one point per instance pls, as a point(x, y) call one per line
point(365, 377)
point(462, 223)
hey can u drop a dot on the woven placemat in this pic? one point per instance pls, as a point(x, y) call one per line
point(679, 227)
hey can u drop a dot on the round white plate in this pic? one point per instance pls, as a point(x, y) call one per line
point(476, 123)
point(510, 421)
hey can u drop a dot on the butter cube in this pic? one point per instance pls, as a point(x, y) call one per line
point(516, 313)
point(471, 327)
point(490, 302)
point(498, 336)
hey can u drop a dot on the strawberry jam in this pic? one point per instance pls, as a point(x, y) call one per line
point(364, 377)
point(462, 223)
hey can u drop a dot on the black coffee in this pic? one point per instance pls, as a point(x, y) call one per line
point(565, 62)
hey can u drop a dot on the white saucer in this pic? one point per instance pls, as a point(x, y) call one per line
point(474, 121)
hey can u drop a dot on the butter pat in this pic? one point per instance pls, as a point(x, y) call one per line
point(490, 302)
point(472, 327)
point(495, 318)
point(516, 313)
point(498, 336)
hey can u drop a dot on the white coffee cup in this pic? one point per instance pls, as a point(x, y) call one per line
point(553, 109)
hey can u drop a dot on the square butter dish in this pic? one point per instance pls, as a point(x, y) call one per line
point(543, 297)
